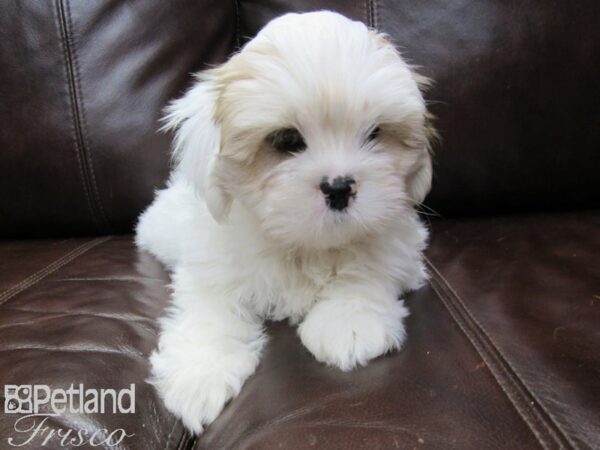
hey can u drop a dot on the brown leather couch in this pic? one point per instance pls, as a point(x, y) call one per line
point(503, 347)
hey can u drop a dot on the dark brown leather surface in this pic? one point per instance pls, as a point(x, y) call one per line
point(82, 85)
point(254, 14)
point(501, 350)
point(20, 259)
point(87, 315)
point(527, 291)
point(83, 311)
point(516, 96)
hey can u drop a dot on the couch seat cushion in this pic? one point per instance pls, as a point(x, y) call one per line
point(82, 311)
point(526, 292)
point(501, 349)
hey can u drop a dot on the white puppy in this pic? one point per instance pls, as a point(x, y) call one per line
point(298, 165)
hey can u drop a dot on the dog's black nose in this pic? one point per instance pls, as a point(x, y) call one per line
point(338, 192)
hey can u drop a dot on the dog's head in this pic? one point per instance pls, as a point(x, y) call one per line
point(317, 126)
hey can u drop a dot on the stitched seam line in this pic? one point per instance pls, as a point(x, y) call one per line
point(511, 369)
point(238, 41)
point(492, 366)
point(80, 163)
point(78, 114)
point(541, 423)
point(375, 13)
point(50, 268)
point(83, 122)
point(367, 8)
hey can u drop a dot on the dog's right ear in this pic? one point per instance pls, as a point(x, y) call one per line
point(197, 143)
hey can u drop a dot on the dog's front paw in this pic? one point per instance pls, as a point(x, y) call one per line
point(195, 389)
point(347, 333)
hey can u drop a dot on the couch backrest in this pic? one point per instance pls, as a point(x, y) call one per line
point(516, 95)
point(82, 84)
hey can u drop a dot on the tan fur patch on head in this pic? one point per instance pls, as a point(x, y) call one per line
point(404, 134)
point(234, 70)
point(426, 83)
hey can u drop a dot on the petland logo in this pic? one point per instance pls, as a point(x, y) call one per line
point(37, 402)
point(27, 399)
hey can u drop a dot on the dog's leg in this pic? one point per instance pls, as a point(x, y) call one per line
point(209, 345)
point(356, 321)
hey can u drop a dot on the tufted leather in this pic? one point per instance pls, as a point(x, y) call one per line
point(83, 311)
point(501, 350)
point(83, 84)
point(502, 346)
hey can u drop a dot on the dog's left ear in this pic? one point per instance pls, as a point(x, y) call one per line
point(419, 177)
point(197, 143)
point(418, 182)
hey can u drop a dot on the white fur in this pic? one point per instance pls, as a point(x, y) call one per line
point(246, 231)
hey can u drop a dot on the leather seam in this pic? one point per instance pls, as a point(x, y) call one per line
point(237, 6)
point(80, 163)
point(371, 13)
point(367, 13)
point(375, 13)
point(490, 365)
point(79, 116)
point(83, 122)
point(524, 401)
point(50, 268)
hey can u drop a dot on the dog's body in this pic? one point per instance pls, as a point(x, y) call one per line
point(293, 197)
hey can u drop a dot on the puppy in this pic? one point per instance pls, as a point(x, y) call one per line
point(298, 164)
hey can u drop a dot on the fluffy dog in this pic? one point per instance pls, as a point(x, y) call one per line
point(298, 165)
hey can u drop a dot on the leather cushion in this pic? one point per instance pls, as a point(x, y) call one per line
point(83, 311)
point(525, 290)
point(82, 87)
point(500, 350)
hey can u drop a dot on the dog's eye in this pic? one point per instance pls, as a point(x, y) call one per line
point(287, 140)
point(374, 134)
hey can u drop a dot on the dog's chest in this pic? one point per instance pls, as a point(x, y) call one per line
point(289, 284)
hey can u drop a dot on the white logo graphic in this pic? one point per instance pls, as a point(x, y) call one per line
point(18, 399)
point(36, 398)
point(35, 403)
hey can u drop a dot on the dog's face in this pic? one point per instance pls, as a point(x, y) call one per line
point(317, 127)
